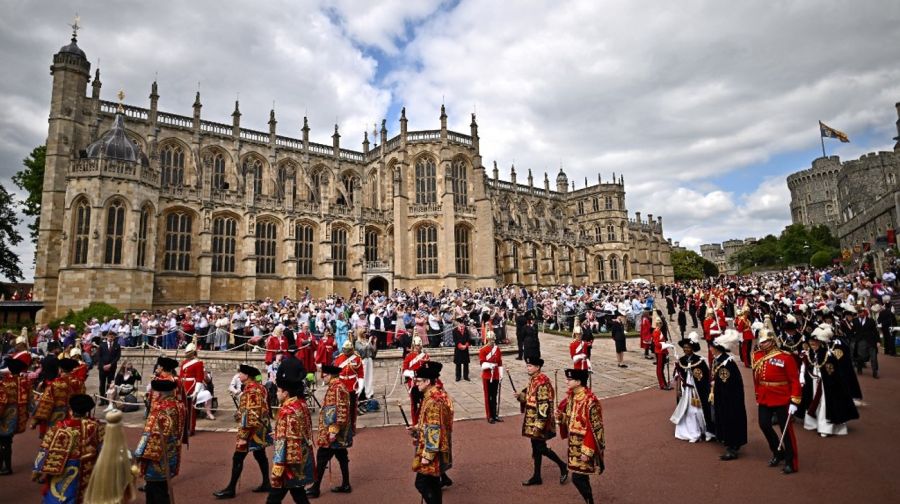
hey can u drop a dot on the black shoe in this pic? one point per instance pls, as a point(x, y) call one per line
point(226, 493)
point(859, 371)
point(265, 487)
point(875, 375)
point(498, 419)
point(729, 455)
point(491, 420)
point(787, 469)
point(775, 460)
point(564, 475)
point(457, 379)
point(342, 489)
point(6, 471)
point(446, 481)
point(518, 358)
point(312, 492)
point(532, 481)
point(467, 379)
point(623, 365)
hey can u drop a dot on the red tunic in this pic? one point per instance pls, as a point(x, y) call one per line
point(709, 325)
point(490, 354)
point(743, 327)
point(776, 378)
point(720, 318)
point(411, 363)
point(325, 352)
point(191, 374)
point(658, 340)
point(646, 333)
point(578, 350)
point(351, 370)
point(305, 351)
point(81, 372)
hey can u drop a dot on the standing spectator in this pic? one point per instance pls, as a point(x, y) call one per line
point(341, 330)
point(461, 350)
point(521, 322)
point(531, 345)
point(887, 320)
point(108, 361)
point(617, 328)
point(682, 321)
point(866, 333)
point(367, 349)
point(153, 331)
point(434, 328)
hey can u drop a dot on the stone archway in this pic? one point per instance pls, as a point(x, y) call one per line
point(378, 284)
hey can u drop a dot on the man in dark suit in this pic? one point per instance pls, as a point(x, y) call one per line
point(520, 332)
point(108, 360)
point(866, 342)
point(461, 349)
point(531, 345)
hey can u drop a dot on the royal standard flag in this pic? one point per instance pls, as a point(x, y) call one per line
point(829, 132)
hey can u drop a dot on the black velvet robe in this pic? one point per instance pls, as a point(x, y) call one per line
point(729, 412)
point(845, 368)
point(839, 407)
point(700, 371)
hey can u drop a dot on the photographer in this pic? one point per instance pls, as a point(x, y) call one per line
point(123, 385)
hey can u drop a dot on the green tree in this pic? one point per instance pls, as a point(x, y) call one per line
point(823, 258)
point(9, 237)
point(687, 265)
point(709, 269)
point(31, 180)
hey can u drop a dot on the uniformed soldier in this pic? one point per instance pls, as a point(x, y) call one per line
point(68, 452)
point(432, 434)
point(293, 464)
point(777, 382)
point(491, 359)
point(581, 421)
point(254, 431)
point(15, 397)
point(411, 363)
point(538, 423)
point(335, 433)
point(159, 449)
point(352, 375)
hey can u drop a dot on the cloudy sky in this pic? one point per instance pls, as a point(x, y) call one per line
point(704, 106)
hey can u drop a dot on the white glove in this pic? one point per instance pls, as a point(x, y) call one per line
point(409, 374)
point(487, 366)
point(792, 409)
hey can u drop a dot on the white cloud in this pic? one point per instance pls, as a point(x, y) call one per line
point(677, 96)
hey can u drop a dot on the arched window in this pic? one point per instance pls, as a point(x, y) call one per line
point(601, 269)
point(613, 268)
point(303, 249)
point(143, 227)
point(596, 204)
point(339, 252)
point(224, 243)
point(532, 257)
point(461, 237)
point(598, 233)
point(82, 232)
point(608, 203)
point(254, 165)
point(315, 182)
point(347, 182)
point(171, 161)
point(460, 186)
point(373, 190)
point(218, 164)
point(265, 248)
point(371, 245)
point(115, 232)
point(426, 181)
point(177, 251)
point(551, 255)
point(611, 232)
point(426, 250)
point(514, 252)
point(581, 208)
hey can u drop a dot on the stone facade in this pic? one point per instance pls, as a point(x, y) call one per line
point(859, 199)
point(204, 211)
point(721, 254)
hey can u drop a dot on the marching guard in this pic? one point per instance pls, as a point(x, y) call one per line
point(293, 463)
point(538, 424)
point(254, 431)
point(581, 421)
point(335, 432)
point(579, 349)
point(159, 450)
point(193, 378)
point(53, 402)
point(491, 359)
point(411, 363)
point(777, 383)
point(727, 396)
point(67, 454)
point(15, 397)
point(432, 433)
point(352, 376)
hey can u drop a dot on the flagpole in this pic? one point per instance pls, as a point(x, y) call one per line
point(822, 139)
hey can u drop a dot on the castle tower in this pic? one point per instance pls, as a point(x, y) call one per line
point(562, 182)
point(67, 130)
point(897, 138)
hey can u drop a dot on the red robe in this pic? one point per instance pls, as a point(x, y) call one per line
point(325, 352)
point(490, 354)
point(274, 346)
point(191, 374)
point(305, 351)
point(578, 350)
point(646, 333)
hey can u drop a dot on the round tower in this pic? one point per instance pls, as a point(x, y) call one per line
point(562, 182)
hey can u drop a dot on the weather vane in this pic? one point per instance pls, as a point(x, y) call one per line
point(75, 26)
point(121, 95)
